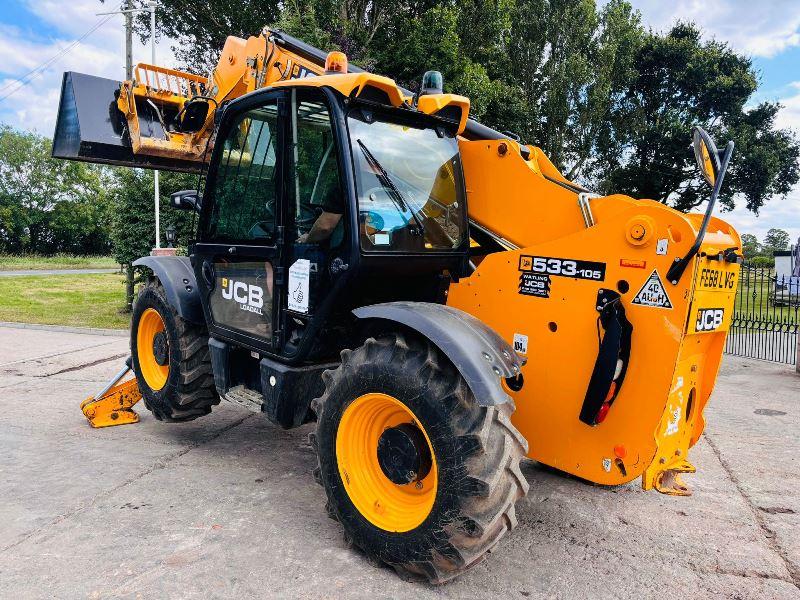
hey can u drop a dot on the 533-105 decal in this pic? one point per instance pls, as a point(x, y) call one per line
point(536, 273)
point(564, 267)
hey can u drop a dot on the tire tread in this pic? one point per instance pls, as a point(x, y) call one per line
point(485, 436)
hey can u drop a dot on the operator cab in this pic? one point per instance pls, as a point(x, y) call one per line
point(317, 202)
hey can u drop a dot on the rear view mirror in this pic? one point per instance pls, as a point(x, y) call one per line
point(193, 116)
point(185, 200)
point(705, 151)
point(714, 166)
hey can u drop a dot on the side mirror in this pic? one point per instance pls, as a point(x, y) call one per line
point(193, 116)
point(185, 200)
point(713, 164)
point(707, 155)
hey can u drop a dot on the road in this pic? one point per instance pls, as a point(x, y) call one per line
point(226, 506)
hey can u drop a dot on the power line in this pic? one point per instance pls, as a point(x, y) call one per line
point(30, 75)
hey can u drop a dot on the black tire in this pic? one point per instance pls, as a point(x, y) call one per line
point(477, 449)
point(189, 391)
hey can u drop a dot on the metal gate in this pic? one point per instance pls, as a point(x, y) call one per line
point(765, 316)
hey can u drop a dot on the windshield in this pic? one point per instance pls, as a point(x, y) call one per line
point(409, 185)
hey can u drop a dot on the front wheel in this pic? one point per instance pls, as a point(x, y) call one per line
point(171, 359)
point(420, 475)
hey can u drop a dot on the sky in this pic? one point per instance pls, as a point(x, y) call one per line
point(32, 32)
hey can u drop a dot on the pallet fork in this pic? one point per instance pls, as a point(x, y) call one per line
point(113, 405)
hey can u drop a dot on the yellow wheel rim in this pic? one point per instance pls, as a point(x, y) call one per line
point(382, 502)
point(150, 325)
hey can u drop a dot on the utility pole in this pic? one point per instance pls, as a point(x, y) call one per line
point(155, 172)
point(128, 13)
point(128, 41)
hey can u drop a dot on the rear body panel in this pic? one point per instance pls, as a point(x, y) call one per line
point(543, 297)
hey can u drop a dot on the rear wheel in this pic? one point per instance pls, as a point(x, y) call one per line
point(420, 475)
point(171, 359)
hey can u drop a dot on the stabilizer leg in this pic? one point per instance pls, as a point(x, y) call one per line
point(113, 405)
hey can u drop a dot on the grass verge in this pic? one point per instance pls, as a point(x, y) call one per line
point(73, 300)
point(25, 262)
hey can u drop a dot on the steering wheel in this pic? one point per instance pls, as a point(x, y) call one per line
point(261, 229)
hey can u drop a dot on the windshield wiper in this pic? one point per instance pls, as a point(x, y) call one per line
point(394, 192)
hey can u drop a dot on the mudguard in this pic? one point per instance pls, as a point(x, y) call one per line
point(177, 277)
point(481, 356)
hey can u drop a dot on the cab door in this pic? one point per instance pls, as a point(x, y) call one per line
point(238, 252)
point(318, 252)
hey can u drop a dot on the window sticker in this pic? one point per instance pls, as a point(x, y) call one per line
point(299, 274)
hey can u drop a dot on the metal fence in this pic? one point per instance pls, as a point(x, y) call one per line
point(765, 316)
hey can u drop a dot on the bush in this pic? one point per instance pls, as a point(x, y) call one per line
point(48, 206)
point(133, 224)
point(762, 262)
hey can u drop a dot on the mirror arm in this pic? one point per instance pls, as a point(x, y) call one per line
point(679, 266)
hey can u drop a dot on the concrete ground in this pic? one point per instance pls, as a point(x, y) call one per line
point(226, 507)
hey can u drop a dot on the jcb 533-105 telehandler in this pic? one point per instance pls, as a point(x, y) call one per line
point(434, 294)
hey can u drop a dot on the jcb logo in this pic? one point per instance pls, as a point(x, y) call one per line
point(709, 319)
point(250, 297)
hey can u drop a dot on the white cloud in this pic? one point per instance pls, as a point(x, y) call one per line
point(789, 115)
point(783, 214)
point(34, 106)
point(759, 28)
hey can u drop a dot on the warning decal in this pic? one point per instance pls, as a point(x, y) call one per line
point(653, 293)
point(534, 284)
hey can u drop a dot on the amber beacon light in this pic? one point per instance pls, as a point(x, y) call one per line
point(335, 62)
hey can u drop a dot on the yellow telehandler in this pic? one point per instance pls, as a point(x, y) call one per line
point(435, 295)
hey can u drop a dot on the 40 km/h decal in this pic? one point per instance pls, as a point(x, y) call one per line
point(653, 293)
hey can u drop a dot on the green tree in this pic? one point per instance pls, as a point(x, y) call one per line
point(134, 222)
point(48, 205)
point(200, 28)
point(682, 80)
point(612, 105)
point(776, 240)
point(750, 245)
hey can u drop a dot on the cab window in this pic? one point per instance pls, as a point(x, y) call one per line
point(244, 191)
point(409, 183)
point(315, 185)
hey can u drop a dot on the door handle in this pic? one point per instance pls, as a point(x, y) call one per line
point(232, 250)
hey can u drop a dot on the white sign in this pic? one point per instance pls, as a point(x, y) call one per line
point(653, 293)
point(520, 343)
point(662, 246)
point(298, 285)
